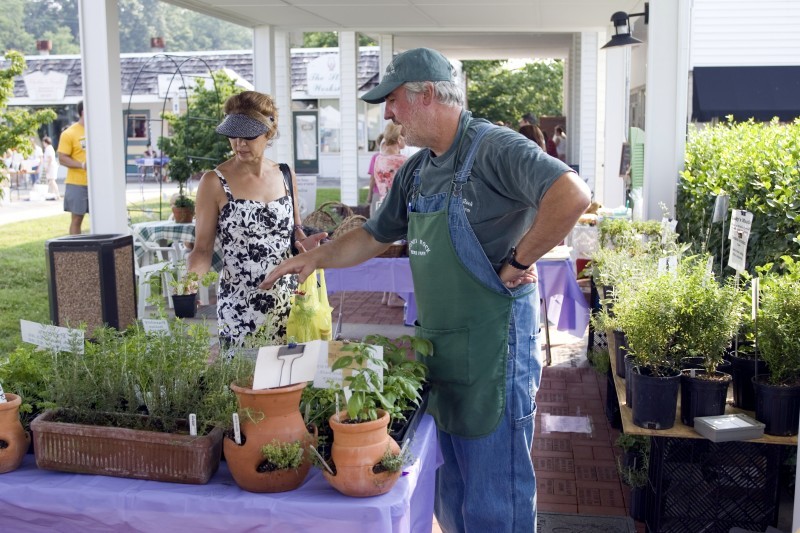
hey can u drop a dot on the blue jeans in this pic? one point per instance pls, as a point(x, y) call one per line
point(487, 485)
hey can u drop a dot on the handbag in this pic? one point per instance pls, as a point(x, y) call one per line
point(310, 315)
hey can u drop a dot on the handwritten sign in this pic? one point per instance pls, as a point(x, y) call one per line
point(738, 255)
point(740, 224)
point(52, 337)
point(156, 326)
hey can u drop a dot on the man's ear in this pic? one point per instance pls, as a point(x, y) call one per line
point(427, 94)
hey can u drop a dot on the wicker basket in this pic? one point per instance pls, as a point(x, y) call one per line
point(328, 216)
point(397, 249)
point(348, 224)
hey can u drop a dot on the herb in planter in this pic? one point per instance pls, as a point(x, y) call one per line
point(281, 455)
point(391, 462)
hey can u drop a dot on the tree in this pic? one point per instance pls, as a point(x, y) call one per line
point(17, 126)
point(496, 93)
point(330, 39)
point(194, 145)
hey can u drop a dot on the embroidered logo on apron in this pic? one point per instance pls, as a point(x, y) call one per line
point(418, 247)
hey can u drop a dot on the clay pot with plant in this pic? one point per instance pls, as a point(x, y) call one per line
point(14, 440)
point(365, 459)
point(271, 427)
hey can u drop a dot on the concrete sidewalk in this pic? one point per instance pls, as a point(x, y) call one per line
point(19, 206)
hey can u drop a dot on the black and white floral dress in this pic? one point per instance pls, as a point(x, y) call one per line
point(255, 237)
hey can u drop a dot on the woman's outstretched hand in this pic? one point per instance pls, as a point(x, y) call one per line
point(310, 242)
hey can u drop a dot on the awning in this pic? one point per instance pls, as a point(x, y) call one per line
point(745, 92)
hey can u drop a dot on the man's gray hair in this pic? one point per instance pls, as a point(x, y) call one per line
point(447, 92)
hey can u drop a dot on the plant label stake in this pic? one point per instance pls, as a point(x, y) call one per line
point(2, 395)
point(337, 408)
point(237, 429)
point(193, 425)
point(310, 447)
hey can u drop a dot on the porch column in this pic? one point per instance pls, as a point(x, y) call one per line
point(617, 89)
point(585, 148)
point(666, 103)
point(386, 42)
point(264, 74)
point(348, 65)
point(102, 94)
point(282, 93)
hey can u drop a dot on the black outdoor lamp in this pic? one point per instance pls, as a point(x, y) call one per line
point(622, 27)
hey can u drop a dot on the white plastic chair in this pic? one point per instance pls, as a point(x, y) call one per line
point(143, 275)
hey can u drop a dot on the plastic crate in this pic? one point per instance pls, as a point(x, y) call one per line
point(703, 486)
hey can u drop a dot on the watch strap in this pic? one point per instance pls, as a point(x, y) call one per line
point(511, 260)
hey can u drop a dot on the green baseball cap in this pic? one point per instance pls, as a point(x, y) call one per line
point(417, 64)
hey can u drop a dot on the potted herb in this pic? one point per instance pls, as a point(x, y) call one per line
point(360, 431)
point(633, 467)
point(282, 464)
point(777, 334)
point(184, 290)
point(135, 390)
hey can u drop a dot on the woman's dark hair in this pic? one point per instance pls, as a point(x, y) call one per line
point(533, 133)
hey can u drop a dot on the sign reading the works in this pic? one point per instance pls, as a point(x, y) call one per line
point(322, 76)
point(46, 86)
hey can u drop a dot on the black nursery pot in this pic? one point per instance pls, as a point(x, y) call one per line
point(702, 397)
point(630, 362)
point(620, 351)
point(185, 305)
point(742, 370)
point(777, 407)
point(655, 398)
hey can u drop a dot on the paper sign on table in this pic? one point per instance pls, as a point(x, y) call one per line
point(326, 377)
point(51, 337)
point(278, 366)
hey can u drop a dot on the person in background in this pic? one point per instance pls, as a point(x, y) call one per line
point(72, 154)
point(252, 202)
point(479, 204)
point(528, 118)
point(550, 146)
point(50, 169)
point(560, 140)
point(372, 196)
point(34, 161)
point(533, 133)
point(387, 163)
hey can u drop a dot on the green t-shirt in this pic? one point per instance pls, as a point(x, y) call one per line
point(510, 176)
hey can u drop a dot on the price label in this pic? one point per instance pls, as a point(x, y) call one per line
point(193, 425)
point(237, 429)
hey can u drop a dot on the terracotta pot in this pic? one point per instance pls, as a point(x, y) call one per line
point(269, 414)
point(183, 215)
point(356, 449)
point(14, 440)
point(124, 452)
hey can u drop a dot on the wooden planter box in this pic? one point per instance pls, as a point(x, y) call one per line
point(121, 452)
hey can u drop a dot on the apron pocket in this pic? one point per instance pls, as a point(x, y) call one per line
point(450, 360)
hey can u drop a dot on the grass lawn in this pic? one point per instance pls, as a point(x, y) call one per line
point(22, 260)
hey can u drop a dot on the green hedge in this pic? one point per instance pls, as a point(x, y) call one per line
point(758, 166)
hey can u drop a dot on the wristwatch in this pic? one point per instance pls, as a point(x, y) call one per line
point(511, 260)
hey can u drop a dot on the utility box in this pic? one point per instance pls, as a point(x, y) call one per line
point(92, 281)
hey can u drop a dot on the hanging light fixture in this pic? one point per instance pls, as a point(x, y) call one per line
point(622, 27)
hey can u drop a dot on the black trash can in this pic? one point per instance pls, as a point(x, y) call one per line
point(92, 281)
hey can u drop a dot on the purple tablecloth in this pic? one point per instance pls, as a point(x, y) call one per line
point(566, 305)
point(33, 500)
point(380, 274)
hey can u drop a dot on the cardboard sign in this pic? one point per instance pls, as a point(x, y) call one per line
point(279, 366)
point(51, 337)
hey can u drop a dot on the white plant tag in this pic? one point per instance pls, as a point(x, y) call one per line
point(347, 394)
point(741, 221)
point(720, 207)
point(51, 337)
point(237, 430)
point(155, 325)
point(756, 294)
point(737, 259)
point(193, 425)
point(3, 398)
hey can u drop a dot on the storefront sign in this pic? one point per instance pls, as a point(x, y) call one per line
point(322, 76)
point(46, 87)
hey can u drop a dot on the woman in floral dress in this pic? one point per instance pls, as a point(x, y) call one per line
point(246, 203)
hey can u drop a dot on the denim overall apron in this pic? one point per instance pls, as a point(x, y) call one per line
point(463, 309)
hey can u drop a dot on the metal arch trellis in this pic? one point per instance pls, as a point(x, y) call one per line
point(178, 62)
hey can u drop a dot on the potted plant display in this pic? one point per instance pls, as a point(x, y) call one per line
point(270, 422)
point(633, 468)
point(137, 391)
point(362, 446)
point(777, 334)
point(184, 290)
